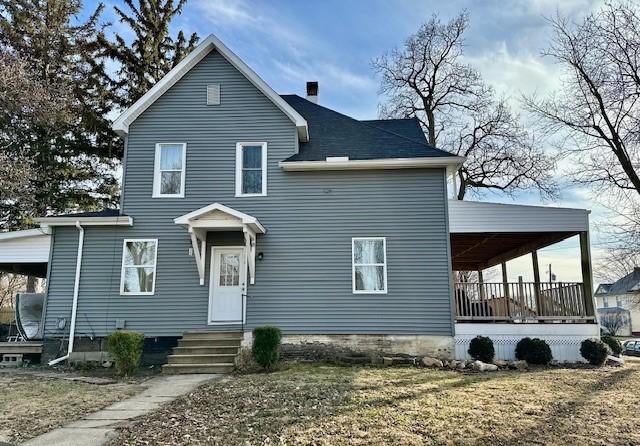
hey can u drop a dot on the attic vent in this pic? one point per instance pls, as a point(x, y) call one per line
point(213, 94)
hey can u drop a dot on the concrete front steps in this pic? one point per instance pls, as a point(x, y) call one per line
point(204, 352)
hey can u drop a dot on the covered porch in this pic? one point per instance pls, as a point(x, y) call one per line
point(487, 235)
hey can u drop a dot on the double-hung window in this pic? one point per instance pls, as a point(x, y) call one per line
point(169, 172)
point(251, 169)
point(369, 265)
point(139, 258)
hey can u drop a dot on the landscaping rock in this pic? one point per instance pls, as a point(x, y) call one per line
point(519, 365)
point(615, 361)
point(387, 360)
point(404, 360)
point(461, 365)
point(428, 361)
point(354, 358)
point(484, 367)
point(453, 364)
point(501, 363)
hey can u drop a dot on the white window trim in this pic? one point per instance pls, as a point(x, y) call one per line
point(353, 265)
point(156, 170)
point(239, 147)
point(122, 268)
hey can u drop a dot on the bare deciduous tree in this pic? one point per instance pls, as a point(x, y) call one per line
point(614, 321)
point(10, 285)
point(597, 103)
point(427, 79)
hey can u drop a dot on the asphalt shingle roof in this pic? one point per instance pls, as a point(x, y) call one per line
point(334, 134)
point(102, 213)
point(628, 284)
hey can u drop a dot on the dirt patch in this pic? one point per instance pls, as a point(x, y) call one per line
point(322, 405)
point(32, 404)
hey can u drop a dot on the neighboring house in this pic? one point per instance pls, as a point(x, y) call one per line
point(241, 208)
point(623, 295)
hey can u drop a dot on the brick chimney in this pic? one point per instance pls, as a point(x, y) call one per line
point(312, 91)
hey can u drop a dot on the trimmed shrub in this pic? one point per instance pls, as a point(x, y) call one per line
point(266, 346)
point(534, 351)
point(481, 348)
point(522, 347)
point(613, 344)
point(126, 349)
point(595, 351)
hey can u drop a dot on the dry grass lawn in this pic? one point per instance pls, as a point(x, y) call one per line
point(327, 405)
point(31, 405)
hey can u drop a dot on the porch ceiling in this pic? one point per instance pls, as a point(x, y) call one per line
point(474, 251)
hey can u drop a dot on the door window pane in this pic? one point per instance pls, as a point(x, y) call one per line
point(229, 270)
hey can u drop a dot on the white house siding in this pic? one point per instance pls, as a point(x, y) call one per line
point(31, 246)
point(473, 217)
point(630, 302)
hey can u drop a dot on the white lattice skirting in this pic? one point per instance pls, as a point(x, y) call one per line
point(564, 339)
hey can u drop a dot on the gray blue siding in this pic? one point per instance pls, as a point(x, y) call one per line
point(303, 284)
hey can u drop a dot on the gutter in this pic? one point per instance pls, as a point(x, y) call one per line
point(451, 163)
point(76, 289)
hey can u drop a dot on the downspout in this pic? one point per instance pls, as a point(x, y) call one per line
point(76, 289)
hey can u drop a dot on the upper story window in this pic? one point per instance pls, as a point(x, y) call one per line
point(605, 302)
point(369, 265)
point(169, 172)
point(251, 169)
point(138, 276)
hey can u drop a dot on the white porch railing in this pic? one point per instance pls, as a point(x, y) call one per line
point(520, 301)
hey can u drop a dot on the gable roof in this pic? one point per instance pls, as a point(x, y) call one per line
point(603, 288)
point(246, 219)
point(627, 284)
point(122, 123)
point(332, 134)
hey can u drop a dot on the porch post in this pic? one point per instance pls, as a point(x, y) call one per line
point(480, 285)
point(587, 281)
point(507, 292)
point(536, 281)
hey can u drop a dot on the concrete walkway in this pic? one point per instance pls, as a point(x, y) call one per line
point(99, 427)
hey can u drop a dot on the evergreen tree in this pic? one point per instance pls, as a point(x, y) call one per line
point(72, 160)
point(151, 54)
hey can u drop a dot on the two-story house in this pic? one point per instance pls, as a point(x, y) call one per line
point(241, 207)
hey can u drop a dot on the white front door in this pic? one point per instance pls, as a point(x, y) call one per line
point(226, 287)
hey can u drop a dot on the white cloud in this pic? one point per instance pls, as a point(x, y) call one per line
point(226, 12)
point(564, 7)
point(326, 73)
point(513, 74)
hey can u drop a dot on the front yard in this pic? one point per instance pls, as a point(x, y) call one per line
point(329, 405)
point(32, 404)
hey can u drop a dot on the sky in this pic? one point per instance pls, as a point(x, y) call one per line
point(333, 42)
